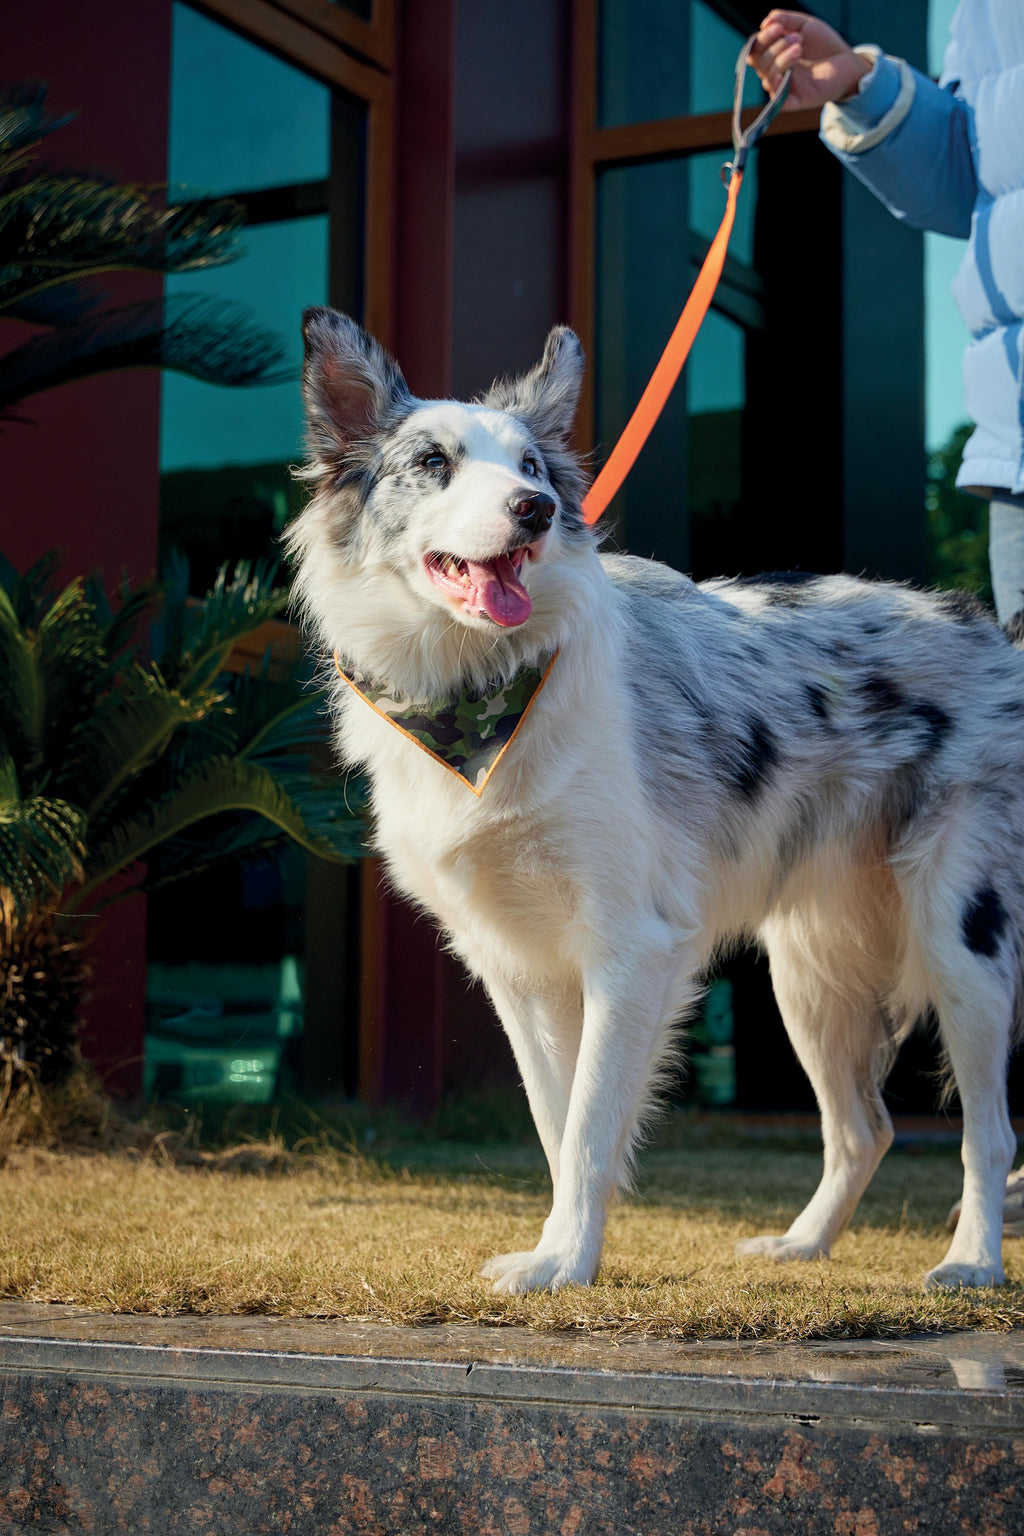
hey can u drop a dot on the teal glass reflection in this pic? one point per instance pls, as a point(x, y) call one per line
point(658, 60)
point(283, 270)
point(654, 225)
point(643, 277)
point(240, 119)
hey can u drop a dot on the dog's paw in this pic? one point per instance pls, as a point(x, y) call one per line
point(516, 1273)
point(782, 1249)
point(954, 1277)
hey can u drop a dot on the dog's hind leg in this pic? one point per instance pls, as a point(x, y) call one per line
point(544, 1031)
point(829, 993)
point(969, 955)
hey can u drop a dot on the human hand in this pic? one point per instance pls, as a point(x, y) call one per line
point(825, 68)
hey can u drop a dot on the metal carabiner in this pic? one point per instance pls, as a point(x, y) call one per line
point(745, 139)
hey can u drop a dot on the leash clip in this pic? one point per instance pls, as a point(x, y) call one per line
point(744, 139)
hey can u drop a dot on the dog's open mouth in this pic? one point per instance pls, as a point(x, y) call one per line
point(490, 587)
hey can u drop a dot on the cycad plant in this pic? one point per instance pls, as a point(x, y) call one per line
point(59, 230)
point(129, 756)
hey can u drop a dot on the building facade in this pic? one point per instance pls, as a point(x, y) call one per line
point(460, 175)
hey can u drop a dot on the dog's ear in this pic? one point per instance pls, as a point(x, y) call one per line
point(351, 386)
point(545, 398)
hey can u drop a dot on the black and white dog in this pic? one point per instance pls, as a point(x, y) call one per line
point(832, 766)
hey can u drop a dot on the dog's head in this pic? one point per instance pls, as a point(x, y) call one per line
point(438, 505)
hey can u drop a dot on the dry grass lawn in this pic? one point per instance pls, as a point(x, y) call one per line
point(340, 1235)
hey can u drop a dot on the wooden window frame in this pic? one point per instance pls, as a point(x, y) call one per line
point(327, 53)
point(593, 149)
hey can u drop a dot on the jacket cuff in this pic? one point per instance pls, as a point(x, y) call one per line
point(867, 118)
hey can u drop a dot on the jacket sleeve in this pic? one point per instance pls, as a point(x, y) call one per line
point(909, 142)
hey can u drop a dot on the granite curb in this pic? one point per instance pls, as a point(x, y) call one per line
point(256, 1424)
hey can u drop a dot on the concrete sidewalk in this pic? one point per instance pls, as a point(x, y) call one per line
point(255, 1424)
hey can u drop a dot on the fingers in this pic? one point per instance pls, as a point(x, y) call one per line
point(775, 51)
point(786, 21)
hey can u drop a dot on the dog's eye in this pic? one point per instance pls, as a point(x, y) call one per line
point(529, 467)
point(435, 459)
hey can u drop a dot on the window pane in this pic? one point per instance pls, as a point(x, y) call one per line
point(642, 281)
point(240, 118)
point(666, 61)
point(654, 225)
point(226, 489)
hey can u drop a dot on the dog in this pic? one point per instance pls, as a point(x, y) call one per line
point(827, 765)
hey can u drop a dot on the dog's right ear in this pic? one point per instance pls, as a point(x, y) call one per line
point(351, 386)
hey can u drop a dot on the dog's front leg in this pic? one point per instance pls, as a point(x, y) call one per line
point(627, 1013)
point(544, 1031)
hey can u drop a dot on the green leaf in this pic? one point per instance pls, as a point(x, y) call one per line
point(59, 228)
point(225, 784)
point(40, 849)
point(129, 727)
point(72, 668)
point(20, 688)
point(23, 122)
point(192, 642)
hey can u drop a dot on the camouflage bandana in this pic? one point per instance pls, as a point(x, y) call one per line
point(469, 734)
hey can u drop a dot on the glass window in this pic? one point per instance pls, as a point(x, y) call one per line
point(654, 226)
point(243, 122)
point(230, 948)
point(240, 119)
point(226, 485)
point(658, 60)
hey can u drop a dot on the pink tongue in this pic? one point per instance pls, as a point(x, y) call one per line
point(499, 592)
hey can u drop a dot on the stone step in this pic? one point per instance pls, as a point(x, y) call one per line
point(247, 1425)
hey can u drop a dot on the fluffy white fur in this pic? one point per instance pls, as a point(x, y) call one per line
point(834, 768)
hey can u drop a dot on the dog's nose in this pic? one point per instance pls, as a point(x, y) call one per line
point(535, 511)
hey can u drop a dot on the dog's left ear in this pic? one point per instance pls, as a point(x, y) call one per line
point(545, 398)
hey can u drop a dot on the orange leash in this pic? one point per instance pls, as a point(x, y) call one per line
point(670, 365)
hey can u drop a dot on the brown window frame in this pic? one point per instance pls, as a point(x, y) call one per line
point(593, 149)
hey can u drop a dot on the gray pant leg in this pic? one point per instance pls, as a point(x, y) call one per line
point(1006, 554)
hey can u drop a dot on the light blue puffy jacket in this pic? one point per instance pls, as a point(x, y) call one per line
point(950, 157)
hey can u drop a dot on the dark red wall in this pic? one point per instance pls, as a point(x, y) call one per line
point(84, 475)
point(480, 277)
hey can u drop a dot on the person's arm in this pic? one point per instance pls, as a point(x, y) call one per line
point(907, 140)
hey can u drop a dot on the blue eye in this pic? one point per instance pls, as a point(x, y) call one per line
point(529, 467)
point(434, 460)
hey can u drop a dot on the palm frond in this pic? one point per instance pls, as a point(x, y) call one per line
point(72, 667)
point(225, 784)
point(334, 806)
point(61, 305)
point(191, 643)
point(40, 849)
point(21, 712)
point(208, 339)
point(126, 730)
point(59, 228)
point(32, 592)
point(24, 120)
point(120, 626)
